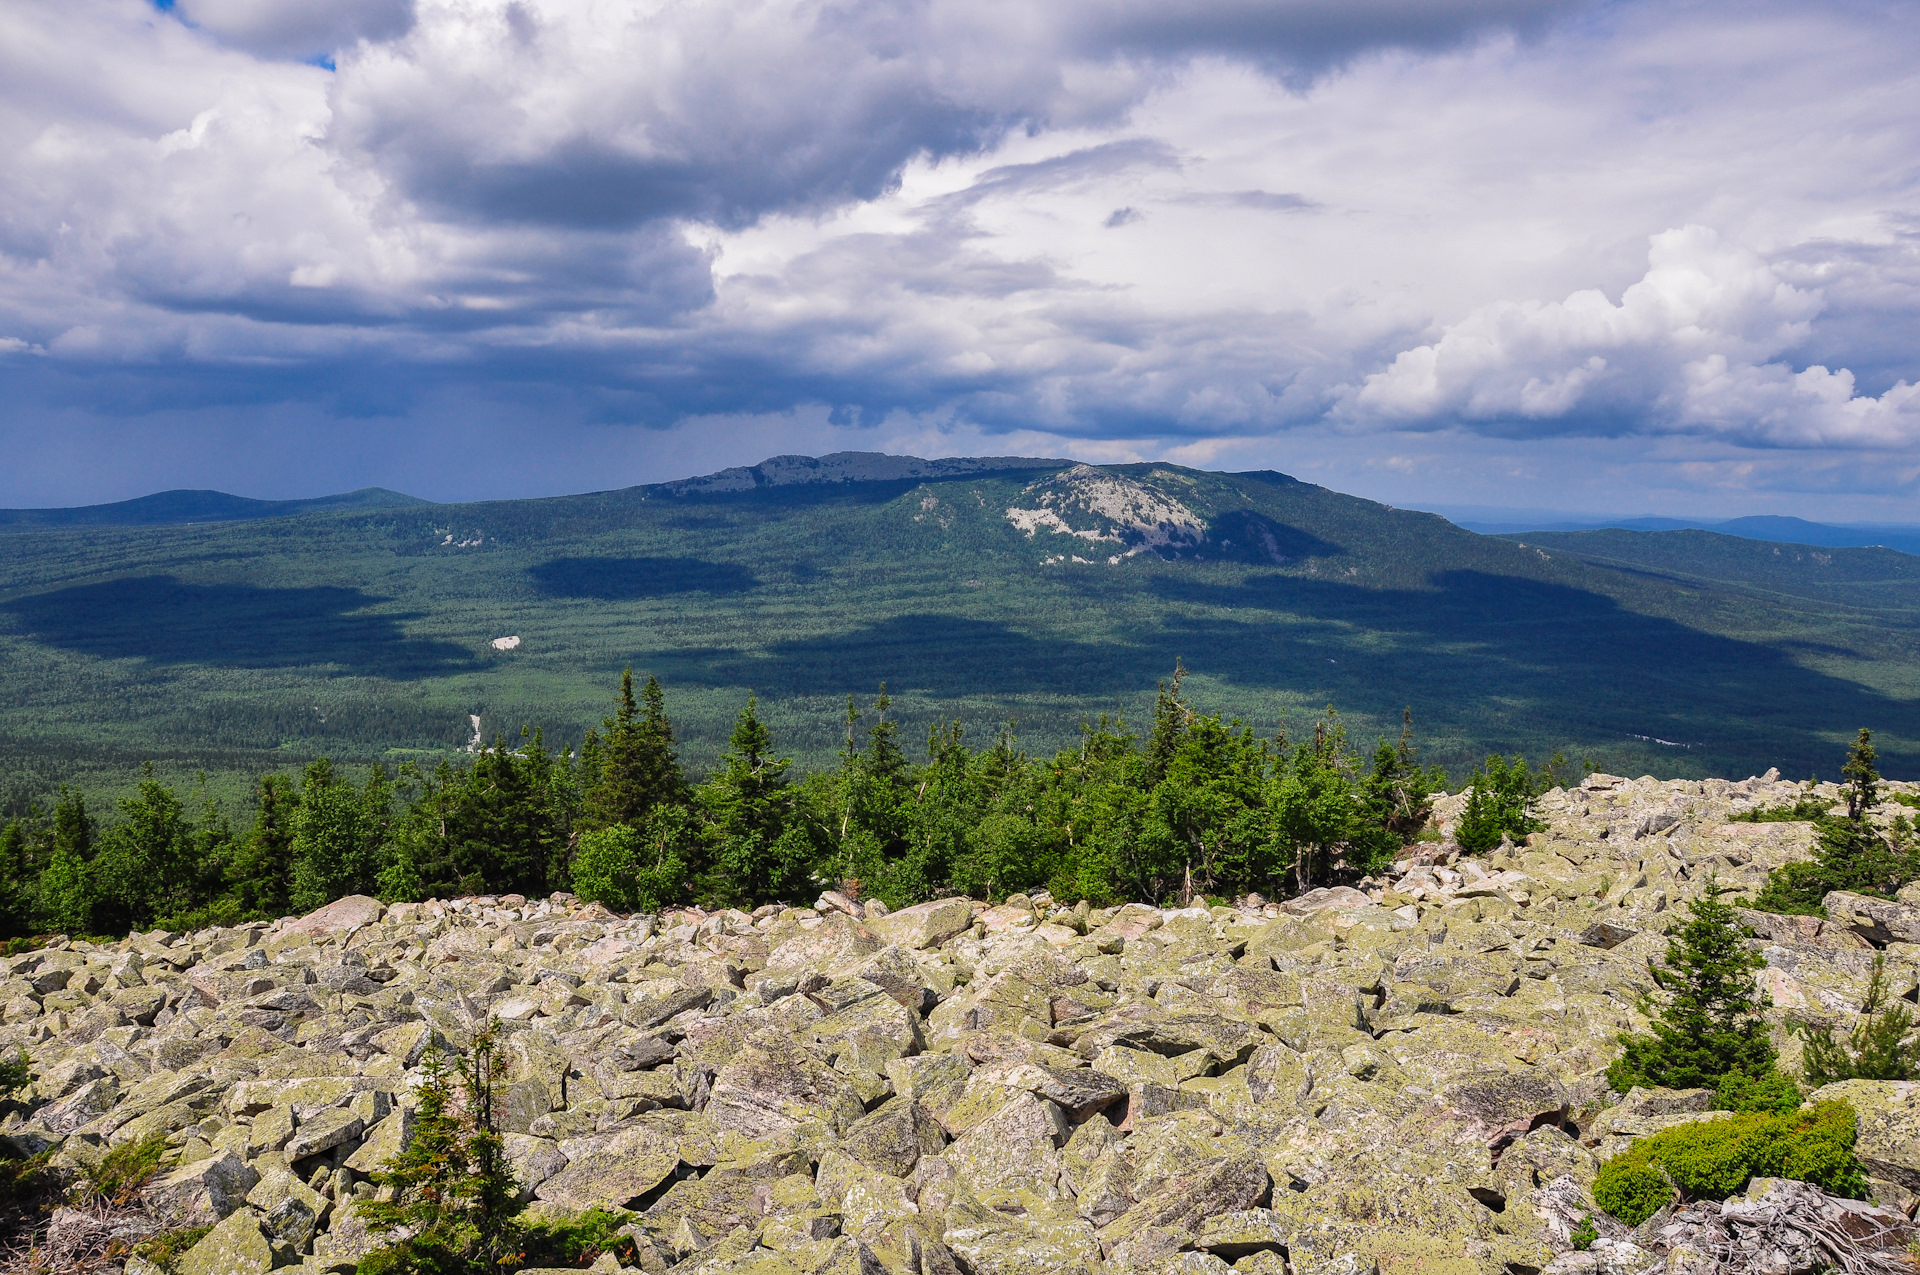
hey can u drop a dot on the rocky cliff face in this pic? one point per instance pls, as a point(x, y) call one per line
point(1399, 1078)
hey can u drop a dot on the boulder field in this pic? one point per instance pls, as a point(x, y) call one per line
point(1399, 1077)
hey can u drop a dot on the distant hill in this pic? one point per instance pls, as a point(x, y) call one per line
point(985, 590)
point(172, 507)
point(1774, 528)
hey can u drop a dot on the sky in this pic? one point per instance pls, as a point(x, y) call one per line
point(1614, 256)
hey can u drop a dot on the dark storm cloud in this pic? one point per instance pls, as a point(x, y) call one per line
point(1166, 226)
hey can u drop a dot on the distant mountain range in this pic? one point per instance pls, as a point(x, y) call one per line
point(1775, 528)
point(168, 508)
point(212, 633)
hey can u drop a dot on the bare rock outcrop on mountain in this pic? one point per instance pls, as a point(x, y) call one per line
point(1404, 1076)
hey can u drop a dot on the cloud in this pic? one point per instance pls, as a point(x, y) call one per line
point(298, 29)
point(1263, 232)
point(1693, 347)
point(603, 114)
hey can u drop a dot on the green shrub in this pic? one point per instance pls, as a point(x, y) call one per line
point(1805, 810)
point(636, 869)
point(1773, 1091)
point(1879, 1048)
point(16, 1073)
point(1712, 1159)
point(27, 1185)
point(167, 1248)
point(575, 1241)
point(121, 1173)
point(1631, 1190)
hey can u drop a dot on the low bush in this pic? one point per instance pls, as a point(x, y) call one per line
point(574, 1241)
point(1631, 1190)
point(1805, 810)
point(121, 1173)
point(1772, 1091)
point(167, 1248)
point(1712, 1159)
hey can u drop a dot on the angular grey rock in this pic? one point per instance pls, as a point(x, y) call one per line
point(350, 913)
point(204, 1192)
point(1878, 921)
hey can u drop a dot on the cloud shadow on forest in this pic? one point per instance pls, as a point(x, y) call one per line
point(1470, 651)
point(169, 621)
point(631, 579)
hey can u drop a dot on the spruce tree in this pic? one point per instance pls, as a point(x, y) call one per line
point(1396, 798)
point(637, 767)
point(264, 870)
point(1499, 805)
point(1883, 1046)
point(1171, 717)
point(1710, 1026)
point(1850, 853)
point(761, 854)
point(449, 1191)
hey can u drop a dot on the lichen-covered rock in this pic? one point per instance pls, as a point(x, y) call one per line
point(204, 1192)
point(924, 925)
point(1403, 1074)
point(237, 1246)
point(1889, 1139)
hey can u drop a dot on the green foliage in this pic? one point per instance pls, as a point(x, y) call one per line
point(16, 1073)
point(1712, 1159)
point(760, 852)
point(338, 835)
point(637, 869)
point(124, 1170)
point(1883, 1046)
point(1204, 808)
point(28, 1184)
point(1630, 1190)
point(1582, 1237)
point(1499, 805)
point(449, 1189)
point(1851, 853)
point(1710, 1023)
point(167, 1248)
point(636, 769)
point(1804, 810)
point(1772, 1090)
point(574, 1241)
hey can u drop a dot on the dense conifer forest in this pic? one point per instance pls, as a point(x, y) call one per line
point(1198, 806)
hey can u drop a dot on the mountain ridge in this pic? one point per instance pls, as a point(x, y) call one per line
point(978, 589)
point(194, 505)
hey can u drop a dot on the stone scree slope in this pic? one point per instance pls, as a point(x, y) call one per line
point(1398, 1078)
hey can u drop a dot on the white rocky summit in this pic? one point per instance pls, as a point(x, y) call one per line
point(1399, 1077)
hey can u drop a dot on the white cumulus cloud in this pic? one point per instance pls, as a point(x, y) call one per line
point(1697, 345)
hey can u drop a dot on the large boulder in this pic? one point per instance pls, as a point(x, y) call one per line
point(1878, 921)
point(237, 1246)
point(339, 916)
point(612, 1171)
point(924, 925)
point(204, 1192)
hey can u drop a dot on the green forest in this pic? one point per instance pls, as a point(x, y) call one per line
point(368, 634)
point(1198, 807)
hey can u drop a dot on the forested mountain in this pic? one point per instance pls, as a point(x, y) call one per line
point(977, 590)
point(168, 507)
